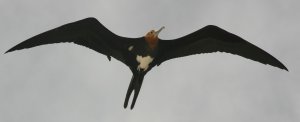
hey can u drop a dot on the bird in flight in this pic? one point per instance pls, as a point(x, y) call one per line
point(143, 53)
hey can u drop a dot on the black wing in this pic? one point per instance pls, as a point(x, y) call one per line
point(213, 39)
point(88, 32)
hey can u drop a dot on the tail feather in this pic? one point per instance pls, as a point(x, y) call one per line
point(135, 85)
point(129, 91)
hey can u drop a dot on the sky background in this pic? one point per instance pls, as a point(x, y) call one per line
point(70, 83)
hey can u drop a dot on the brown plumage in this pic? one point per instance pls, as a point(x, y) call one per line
point(152, 39)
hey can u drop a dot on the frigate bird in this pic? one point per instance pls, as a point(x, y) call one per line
point(143, 53)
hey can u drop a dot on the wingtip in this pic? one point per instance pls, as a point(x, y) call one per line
point(286, 69)
point(281, 66)
point(13, 49)
point(8, 51)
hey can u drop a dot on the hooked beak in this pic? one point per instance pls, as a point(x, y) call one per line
point(157, 32)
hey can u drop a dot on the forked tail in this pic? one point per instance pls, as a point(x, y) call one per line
point(135, 85)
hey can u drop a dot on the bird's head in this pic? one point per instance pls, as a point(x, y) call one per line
point(152, 37)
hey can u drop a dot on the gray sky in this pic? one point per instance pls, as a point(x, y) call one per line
point(70, 83)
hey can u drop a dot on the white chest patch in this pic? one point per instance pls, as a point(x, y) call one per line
point(144, 62)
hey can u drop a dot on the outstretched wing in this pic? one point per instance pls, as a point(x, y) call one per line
point(88, 32)
point(213, 39)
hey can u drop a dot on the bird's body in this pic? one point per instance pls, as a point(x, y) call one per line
point(142, 54)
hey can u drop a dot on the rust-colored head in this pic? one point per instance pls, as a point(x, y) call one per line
point(152, 37)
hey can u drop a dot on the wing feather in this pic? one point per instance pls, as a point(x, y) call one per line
point(88, 32)
point(214, 39)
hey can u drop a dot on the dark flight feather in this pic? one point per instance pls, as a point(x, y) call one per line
point(213, 39)
point(88, 32)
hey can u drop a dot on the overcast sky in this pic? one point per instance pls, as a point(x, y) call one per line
point(70, 83)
